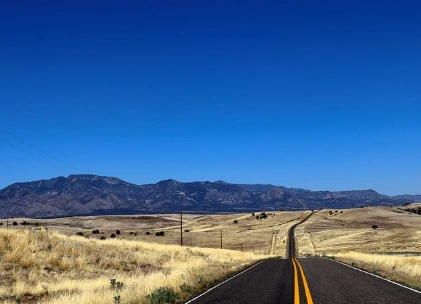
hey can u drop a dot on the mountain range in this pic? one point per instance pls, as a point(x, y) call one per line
point(86, 194)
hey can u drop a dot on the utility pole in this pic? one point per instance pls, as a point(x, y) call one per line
point(181, 228)
point(7, 224)
point(221, 238)
point(241, 247)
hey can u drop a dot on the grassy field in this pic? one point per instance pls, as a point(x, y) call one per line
point(45, 262)
point(351, 229)
point(48, 267)
point(392, 250)
point(242, 232)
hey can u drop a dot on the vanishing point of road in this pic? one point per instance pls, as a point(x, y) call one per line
point(306, 281)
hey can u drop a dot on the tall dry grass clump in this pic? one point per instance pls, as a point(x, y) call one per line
point(404, 269)
point(45, 267)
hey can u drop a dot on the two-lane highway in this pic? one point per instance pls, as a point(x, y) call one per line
point(334, 283)
point(268, 282)
point(306, 280)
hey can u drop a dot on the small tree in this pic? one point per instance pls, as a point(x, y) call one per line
point(117, 232)
point(374, 227)
point(15, 223)
point(112, 235)
point(262, 215)
point(235, 222)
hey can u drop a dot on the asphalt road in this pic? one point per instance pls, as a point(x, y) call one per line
point(269, 282)
point(333, 283)
point(306, 280)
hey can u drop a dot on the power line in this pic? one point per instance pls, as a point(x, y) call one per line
point(39, 149)
point(42, 161)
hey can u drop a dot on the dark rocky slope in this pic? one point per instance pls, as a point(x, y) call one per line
point(98, 195)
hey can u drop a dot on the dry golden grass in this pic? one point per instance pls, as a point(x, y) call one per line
point(404, 269)
point(348, 235)
point(263, 236)
point(352, 230)
point(41, 266)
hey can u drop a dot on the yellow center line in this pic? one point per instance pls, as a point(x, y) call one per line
point(296, 287)
point(306, 288)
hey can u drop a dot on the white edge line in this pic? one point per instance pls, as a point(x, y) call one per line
point(202, 294)
point(377, 276)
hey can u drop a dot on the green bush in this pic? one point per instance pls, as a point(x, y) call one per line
point(117, 299)
point(187, 288)
point(116, 285)
point(162, 295)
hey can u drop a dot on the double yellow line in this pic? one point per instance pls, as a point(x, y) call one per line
point(295, 263)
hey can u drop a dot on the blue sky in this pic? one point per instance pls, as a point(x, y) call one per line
point(321, 95)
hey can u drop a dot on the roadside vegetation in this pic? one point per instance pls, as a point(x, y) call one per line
point(403, 269)
point(43, 266)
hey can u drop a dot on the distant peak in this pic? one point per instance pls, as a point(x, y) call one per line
point(93, 177)
point(83, 176)
point(221, 182)
point(169, 181)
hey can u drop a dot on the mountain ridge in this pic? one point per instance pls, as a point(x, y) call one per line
point(88, 194)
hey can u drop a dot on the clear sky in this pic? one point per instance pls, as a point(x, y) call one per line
point(322, 95)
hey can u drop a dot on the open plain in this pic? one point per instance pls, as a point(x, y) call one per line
point(45, 261)
point(383, 240)
point(242, 232)
point(333, 231)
